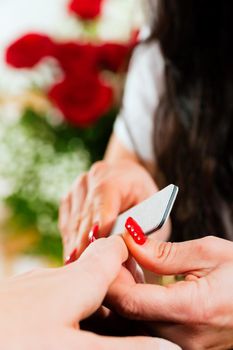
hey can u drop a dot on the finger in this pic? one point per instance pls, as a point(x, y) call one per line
point(85, 226)
point(196, 256)
point(174, 303)
point(101, 208)
point(84, 284)
point(79, 193)
point(106, 208)
point(135, 270)
point(90, 341)
point(106, 202)
point(78, 196)
point(110, 197)
point(64, 215)
point(106, 199)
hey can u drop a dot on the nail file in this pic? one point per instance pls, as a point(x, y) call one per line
point(150, 214)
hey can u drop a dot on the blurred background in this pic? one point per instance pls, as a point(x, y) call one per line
point(63, 65)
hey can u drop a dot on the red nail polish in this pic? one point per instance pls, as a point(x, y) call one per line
point(135, 231)
point(93, 234)
point(72, 257)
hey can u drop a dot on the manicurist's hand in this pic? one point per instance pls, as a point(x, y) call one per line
point(93, 204)
point(41, 310)
point(196, 313)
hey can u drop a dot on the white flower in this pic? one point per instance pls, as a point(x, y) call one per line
point(119, 18)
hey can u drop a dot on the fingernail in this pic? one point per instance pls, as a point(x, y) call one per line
point(93, 234)
point(71, 258)
point(135, 231)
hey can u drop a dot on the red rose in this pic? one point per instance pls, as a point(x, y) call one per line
point(82, 101)
point(74, 57)
point(27, 51)
point(86, 9)
point(114, 56)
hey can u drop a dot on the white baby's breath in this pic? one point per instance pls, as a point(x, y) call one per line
point(119, 19)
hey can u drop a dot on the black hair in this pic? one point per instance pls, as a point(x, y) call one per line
point(193, 127)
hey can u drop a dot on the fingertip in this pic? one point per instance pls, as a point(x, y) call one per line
point(143, 253)
point(105, 219)
point(106, 248)
point(135, 231)
point(129, 242)
point(93, 234)
point(72, 257)
point(118, 240)
point(134, 247)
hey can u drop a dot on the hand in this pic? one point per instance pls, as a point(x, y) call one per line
point(196, 313)
point(98, 197)
point(42, 310)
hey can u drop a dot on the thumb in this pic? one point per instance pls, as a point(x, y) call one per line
point(91, 276)
point(174, 258)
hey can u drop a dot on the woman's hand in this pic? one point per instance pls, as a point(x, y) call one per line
point(97, 198)
point(41, 310)
point(196, 313)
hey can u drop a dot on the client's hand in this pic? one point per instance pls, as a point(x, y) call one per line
point(196, 313)
point(97, 198)
point(41, 310)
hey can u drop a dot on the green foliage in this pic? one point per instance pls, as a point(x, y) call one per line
point(39, 162)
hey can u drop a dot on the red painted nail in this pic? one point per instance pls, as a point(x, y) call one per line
point(135, 231)
point(93, 234)
point(72, 257)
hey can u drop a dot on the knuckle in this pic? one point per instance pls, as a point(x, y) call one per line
point(97, 168)
point(206, 246)
point(165, 251)
point(79, 181)
point(99, 190)
point(209, 240)
point(129, 307)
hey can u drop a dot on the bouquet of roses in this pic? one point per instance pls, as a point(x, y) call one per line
point(85, 93)
point(41, 157)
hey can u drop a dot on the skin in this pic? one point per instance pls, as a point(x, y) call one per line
point(196, 313)
point(42, 309)
point(109, 188)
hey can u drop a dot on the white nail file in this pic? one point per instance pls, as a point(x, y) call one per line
point(150, 214)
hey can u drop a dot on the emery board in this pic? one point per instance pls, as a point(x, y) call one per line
point(150, 214)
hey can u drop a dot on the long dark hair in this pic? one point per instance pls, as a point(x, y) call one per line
point(193, 132)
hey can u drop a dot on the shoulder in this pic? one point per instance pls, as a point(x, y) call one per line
point(149, 52)
point(143, 88)
point(145, 78)
point(147, 59)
